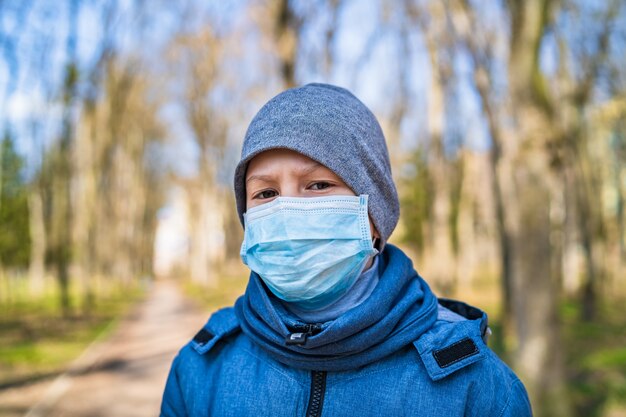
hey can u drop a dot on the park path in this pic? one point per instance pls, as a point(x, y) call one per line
point(125, 374)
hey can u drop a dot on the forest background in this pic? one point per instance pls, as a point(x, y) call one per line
point(122, 121)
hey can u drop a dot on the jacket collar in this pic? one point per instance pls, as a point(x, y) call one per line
point(399, 310)
point(456, 340)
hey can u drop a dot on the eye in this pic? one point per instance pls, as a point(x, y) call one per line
point(318, 186)
point(265, 194)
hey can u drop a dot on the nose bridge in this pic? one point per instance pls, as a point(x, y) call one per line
point(290, 182)
point(290, 187)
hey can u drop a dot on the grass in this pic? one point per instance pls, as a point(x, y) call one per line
point(38, 341)
point(596, 358)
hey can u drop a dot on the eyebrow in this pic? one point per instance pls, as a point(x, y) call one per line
point(265, 178)
point(301, 171)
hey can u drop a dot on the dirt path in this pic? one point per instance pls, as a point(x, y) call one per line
point(122, 376)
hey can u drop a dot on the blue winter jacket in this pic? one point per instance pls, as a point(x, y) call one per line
point(402, 352)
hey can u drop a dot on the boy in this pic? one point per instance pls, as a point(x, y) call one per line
point(334, 321)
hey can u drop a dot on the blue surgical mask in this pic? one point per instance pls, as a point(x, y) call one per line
point(308, 251)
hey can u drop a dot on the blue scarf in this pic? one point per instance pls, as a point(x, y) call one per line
point(398, 311)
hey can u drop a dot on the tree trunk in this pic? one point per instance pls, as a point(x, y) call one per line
point(286, 34)
point(585, 220)
point(442, 258)
point(37, 267)
point(60, 236)
point(538, 357)
point(466, 23)
point(620, 212)
point(589, 218)
point(61, 218)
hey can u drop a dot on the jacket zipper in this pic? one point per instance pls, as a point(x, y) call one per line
point(303, 331)
point(318, 389)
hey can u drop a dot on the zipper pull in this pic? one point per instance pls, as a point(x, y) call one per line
point(300, 338)
point(296, 339)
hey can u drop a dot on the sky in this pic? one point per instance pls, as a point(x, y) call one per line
point(39, 32)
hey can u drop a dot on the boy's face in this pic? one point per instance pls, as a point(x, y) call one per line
point(285, 173)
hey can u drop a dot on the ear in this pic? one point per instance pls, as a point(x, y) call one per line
point(376, 241)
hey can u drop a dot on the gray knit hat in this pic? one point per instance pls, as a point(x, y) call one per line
point(333, 127)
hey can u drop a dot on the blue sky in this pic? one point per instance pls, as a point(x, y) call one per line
point(39, 28)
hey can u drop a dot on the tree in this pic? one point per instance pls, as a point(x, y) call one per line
point(529, 181)
point(287, 25)
point(60, 170)
point(199, 55)
point(14, 220)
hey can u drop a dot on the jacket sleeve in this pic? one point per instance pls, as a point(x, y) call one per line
point(172, 404)
point(518, 404)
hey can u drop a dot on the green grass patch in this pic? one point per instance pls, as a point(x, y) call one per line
point(38, 339)
point(607, 359)
point(595, 357)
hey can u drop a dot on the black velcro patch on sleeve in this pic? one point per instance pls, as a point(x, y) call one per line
point(202, 337)
point(455, 352)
